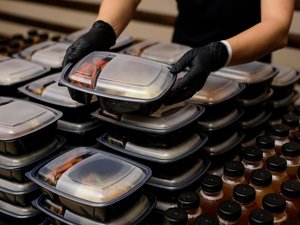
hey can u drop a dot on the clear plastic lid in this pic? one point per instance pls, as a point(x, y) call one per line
point(16, 123)
point(13, 71)
point(91, 176)
point(159, 155)
point(29, 51)
point(16, 188)
point(285, 77)
point(52, 55)
point(119, 76)
point(217, 90)
point(253, 72)
point(20, 212)
point(164, 120)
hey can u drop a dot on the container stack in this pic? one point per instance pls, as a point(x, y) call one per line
point(27, 136)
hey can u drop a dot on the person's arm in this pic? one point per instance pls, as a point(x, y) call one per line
point(268, 35)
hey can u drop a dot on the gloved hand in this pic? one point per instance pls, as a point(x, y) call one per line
point(201, 61)
point(100, 37)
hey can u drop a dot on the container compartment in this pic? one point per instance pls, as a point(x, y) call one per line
point(22, 131)
point(117, 81)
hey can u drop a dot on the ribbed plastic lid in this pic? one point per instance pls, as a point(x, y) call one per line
point(261, 177)
point(206, 219)
point(244, 193)
point(276, 164)
point(290, 149)
point(212, 183)
point(234, 169)
point(291, 120)
point(261, 217)
point(291, 188)
point(252, 153)
point(275, 203)
point(280, 130)
point(188, 200)
point(265, 142)
point(229, 210)
point(175, 216)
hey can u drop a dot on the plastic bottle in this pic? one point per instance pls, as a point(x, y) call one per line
point(261, 180)
point(267, 144)
point(280, 134)
point(190, 202)
point(260, 217)
point(33, 33)
point(244, 194)
point(290, 190)
point(206, 219)
point(252, 160)
point(211, 194)
point(292, 121)
point(291, 153)
point(229, 213)
point(275, 203)
point(277, 167)
point(233, 174)
point(175, 216)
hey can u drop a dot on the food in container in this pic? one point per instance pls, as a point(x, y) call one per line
point(22, 131)
point(91, 182)
point(166, 127)
point(168, 53)
point(122, 83)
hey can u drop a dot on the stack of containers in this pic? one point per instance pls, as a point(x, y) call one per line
point(27, 136)
point(285, 95)
point(254, 99)
point(76, 124)
point(90, 186)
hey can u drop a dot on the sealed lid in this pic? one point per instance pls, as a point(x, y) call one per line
point(244, 193)
point(276, 164)
point(155, 154)
point(291, 149)
point(291, 120)
point(280, 130)
point(164, 120)
point(286, 76)
point(252, 153)
point(206, 219)
point(13, 71)
point(79, 127)
point(52, 55)
point(234, 169)
point(119, 76)
point(217, 90)
point(291, 189)
point(91, 176)
point(188, 200)
point(212, 183)
point(16, 188)
point(261, 177)
point(261, 217)
point(275, 203)
point(229, 210)
point(175, 216)
point(253, 72)
point(29, 51)
point(19, 212)
point(265, 142)
point(16, 123)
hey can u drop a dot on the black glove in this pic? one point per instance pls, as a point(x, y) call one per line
point(100, 37)
point(201, 61)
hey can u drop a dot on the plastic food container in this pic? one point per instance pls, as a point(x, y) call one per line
point(91, 182)
point(47, 53)
point(168, 53)
point(158, 155)
point(132, 215)
point(256, 116)
point(264, 97)
point(14, 72)
point(166, 127)
point(22, 131)
point(122, 83)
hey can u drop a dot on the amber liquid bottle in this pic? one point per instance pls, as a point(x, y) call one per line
point(260, 217)
point(252, 160)
point(229, 213)
point(175, 216)
point(233, 174)
point(190, 202)
point(277, 167)
point(206, 219)
point(244, 194)
point(211, 194)
point(292, 121)
point(290, 190)
point(291, 152)
point(280, 133)
point(267, 145)
point(275, 203)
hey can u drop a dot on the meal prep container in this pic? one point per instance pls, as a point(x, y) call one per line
point(168, 53)
point(15, 72)
point(48, 53)
point(132, 215)
point(255, 116)
point(168, 126)
point(264, 97)
point(91, 182)
point(13, 168)
point(122, 83)
point(257, 77)
point(158, 155)
point(23, 131)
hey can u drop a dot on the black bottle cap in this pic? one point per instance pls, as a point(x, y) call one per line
point(206, 219)
point(252, 153)
point(261, 177)
point(276, 164)
point(32, 32)
point(234, 169)
point(212, 183)
point(275, 203)
point(14, 44)
point(280, 130)
point(297, 137)
point(56, 38)
point(175, 216)
point(229, 210)
point(244, 193)
point(291, 120)
point(261, 217)
point(188, 200)
point(43, 36)
point(3, 49)
point(290, 149)
point(17, 37)
point(265, 142)
point(290, 188)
